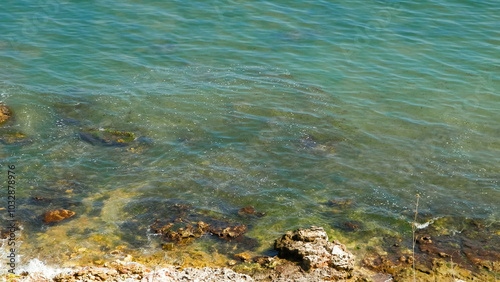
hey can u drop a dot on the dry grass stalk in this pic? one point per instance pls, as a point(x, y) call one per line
point(414, 229)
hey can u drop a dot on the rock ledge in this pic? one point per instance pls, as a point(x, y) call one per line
point(311, 248)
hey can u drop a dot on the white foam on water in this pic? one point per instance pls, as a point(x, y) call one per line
point(3, 254)
point(36, 266)
point(33, 267)
point(5, 251)
point(425, 225)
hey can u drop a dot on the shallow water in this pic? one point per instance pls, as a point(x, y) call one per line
point(278, 105)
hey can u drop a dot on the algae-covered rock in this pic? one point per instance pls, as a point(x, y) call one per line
point(13, 137)
point(324, 146)
point(181, 232)
point(182, 225)
point(243, 256)
point(5, 113)
point(107, 137)
point(311, 248)
point(182, 235)
point(340, 203)
point(351, 226)
point(229, 232)
point(466, 249)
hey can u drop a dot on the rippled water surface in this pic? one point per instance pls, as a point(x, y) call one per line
point(279, 105)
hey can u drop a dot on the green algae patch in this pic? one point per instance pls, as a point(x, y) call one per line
point(248, 267)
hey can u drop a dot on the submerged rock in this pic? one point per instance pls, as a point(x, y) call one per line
point(311, 248)
point(229, 232)
point(5, 113)
point(183, 235)
point(57, 215)
point(187, 233)
point(310, 142)
point(107, 137)
point(8, 138)
point(476, 244)
point(340, 203)
point(351, 226)
point(68, 122)
point(182, 232)
point(441, 251)
point(250, 210)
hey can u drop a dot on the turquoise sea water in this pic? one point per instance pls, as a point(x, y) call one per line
point(281, 105)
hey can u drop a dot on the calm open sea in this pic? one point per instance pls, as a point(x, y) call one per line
point(282, 105)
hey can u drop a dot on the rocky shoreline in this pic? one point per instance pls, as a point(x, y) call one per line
point(303, 255)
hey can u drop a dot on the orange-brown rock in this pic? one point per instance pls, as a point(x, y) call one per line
point(247, 210)
point(5, 113)
point(57, 215)
point(250, 210)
